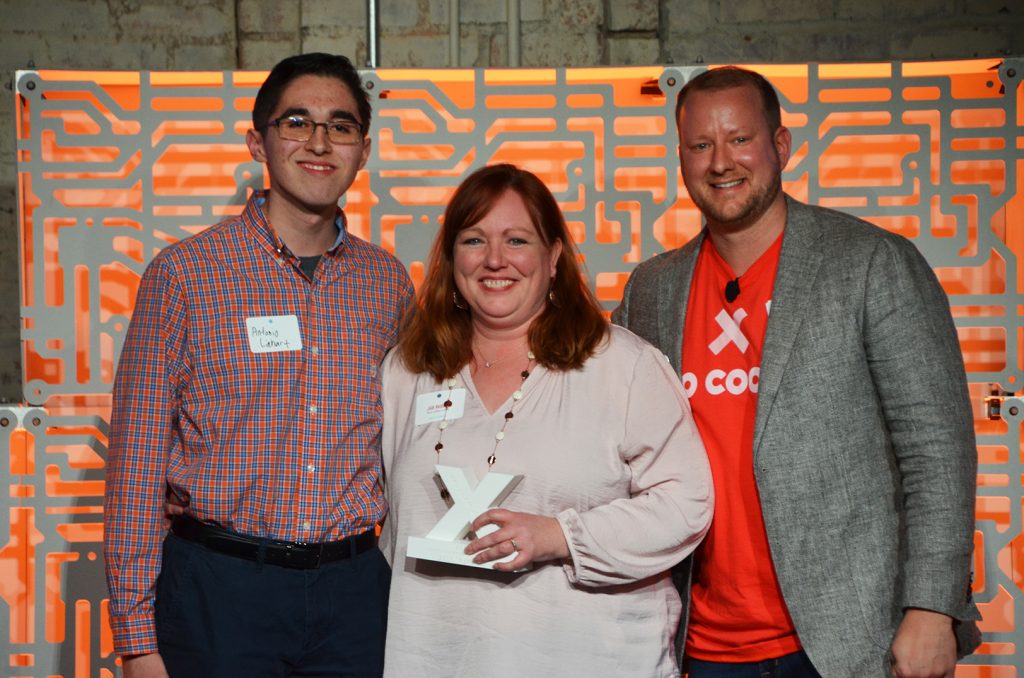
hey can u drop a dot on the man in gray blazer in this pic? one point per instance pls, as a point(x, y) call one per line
point(834, 405)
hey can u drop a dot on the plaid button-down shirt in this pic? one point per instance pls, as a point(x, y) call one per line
point(282, 445)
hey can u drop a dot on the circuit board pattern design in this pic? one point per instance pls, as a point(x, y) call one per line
point(114, 166)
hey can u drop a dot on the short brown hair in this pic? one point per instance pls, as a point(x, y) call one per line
point(438, 335)
point(316, 63)
point(729, 77)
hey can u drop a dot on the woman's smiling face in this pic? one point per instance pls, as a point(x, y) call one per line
point(503, 268)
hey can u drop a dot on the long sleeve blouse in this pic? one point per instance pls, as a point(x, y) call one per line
point(612, 452)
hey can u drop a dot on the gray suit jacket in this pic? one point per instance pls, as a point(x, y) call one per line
point(864, 449)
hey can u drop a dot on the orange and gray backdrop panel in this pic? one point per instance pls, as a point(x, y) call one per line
point(112, 166)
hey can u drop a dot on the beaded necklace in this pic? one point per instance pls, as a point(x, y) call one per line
point(517, 395)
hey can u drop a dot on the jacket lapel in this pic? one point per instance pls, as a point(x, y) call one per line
point(799, 262)
point(674, 287)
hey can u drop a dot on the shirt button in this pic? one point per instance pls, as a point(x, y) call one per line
point(306, 526)
point(314, 350)
point(310, 468)
point(312, 409)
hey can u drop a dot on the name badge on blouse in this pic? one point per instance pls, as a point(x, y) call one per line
point(430, 406)
point(273, 333)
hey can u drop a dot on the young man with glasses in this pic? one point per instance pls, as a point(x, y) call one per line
point(247, 390)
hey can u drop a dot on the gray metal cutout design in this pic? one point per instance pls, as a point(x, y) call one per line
point(133, 139)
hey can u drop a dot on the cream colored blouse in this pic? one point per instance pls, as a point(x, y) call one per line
point(612, 451)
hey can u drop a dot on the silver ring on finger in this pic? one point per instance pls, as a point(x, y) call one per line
point(515, 546)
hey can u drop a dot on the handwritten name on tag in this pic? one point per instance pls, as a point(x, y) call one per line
point(273, 333)
point(430, 406)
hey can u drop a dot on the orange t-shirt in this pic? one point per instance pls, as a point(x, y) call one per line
point(737, 613)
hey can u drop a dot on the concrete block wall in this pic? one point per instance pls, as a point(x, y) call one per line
point(788, 31)
point(255, 34)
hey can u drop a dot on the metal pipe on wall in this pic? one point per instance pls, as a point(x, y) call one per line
point(372, 33)
point(512, 16)
point(454, 28)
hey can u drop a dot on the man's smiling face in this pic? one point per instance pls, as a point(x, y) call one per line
point(310, 176)
point(731, 160)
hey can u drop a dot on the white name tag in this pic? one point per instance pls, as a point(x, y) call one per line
point(430, 406)
point(273, 333)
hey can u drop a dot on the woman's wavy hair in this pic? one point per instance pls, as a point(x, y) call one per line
point(437, 337)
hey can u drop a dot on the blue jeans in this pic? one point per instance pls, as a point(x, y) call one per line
point(795, 665)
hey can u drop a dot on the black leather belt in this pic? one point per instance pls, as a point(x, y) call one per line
point(282, 553)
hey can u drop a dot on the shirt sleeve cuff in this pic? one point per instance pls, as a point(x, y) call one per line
point(569, 520)
point(134, 635)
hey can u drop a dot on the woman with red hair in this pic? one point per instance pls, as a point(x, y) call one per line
point(508, 365)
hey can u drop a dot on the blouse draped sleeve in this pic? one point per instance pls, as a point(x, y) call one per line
point(671, 497)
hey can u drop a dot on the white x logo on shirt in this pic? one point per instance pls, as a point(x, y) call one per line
point(731, 332)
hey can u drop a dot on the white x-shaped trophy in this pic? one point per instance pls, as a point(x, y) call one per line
point(446, 543)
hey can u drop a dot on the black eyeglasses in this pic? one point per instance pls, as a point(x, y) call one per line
point(301, 128)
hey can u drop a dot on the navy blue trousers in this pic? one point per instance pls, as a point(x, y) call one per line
point(795, 665)
point(218, 615)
